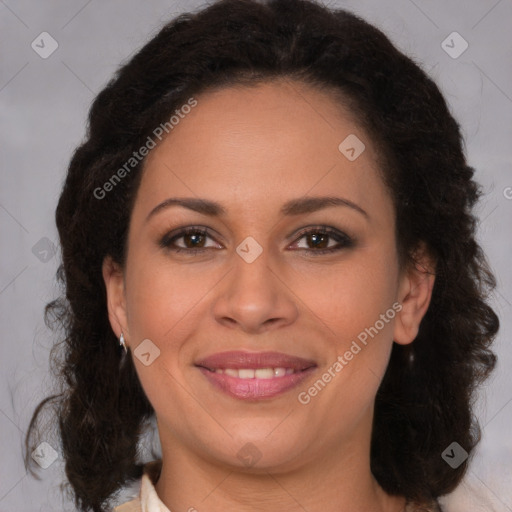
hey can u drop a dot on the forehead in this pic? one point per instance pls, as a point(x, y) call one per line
point(262, 143)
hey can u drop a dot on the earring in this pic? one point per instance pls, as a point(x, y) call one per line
point(122, 342)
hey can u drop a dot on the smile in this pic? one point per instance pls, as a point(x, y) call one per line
point(255, 376)
point(255, 373)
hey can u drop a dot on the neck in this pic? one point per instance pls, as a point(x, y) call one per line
point(338, 479)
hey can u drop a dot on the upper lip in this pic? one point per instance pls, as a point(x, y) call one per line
point(240, 359)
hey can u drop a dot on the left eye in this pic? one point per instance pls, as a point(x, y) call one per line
point(319, 238)
point(194, 238)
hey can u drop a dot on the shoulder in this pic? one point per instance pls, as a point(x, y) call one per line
point(416, 507)
point(138, 491)
point(130, 506)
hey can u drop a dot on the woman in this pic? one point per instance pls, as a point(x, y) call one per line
point(268, 246)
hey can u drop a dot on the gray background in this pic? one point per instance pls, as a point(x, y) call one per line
point(44, 103)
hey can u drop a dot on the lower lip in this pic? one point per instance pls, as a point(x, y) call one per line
point(255, 389)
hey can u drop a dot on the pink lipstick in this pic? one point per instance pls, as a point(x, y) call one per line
point(255, 375)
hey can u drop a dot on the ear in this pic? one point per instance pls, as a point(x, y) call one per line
point(414, 295)
point(113, 277)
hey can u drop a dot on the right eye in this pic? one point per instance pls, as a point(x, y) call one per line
point(193, 238)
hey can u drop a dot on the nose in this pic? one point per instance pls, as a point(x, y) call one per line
point(256, 297)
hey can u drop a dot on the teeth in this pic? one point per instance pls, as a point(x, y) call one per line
point(264, 373)
point(259, 373)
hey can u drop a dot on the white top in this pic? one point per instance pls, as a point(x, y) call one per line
point(147, 500)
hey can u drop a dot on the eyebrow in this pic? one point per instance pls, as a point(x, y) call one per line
point(292, 207)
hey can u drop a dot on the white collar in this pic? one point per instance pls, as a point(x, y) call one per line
point(149, 500)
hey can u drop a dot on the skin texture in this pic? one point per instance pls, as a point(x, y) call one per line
point(253, 149)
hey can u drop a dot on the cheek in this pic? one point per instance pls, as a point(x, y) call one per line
point(162, 306)
point(355, 310)
point(350, 297)
point(161, 297)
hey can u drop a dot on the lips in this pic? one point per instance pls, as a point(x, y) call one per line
point(254, 360)
point(255, 375)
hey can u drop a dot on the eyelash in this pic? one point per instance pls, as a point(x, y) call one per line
point(343, 240)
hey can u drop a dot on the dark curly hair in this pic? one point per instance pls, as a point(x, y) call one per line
point(425, 400)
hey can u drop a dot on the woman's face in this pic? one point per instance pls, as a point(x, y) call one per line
point(264, 341)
